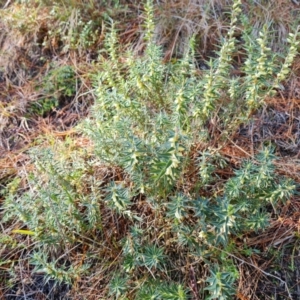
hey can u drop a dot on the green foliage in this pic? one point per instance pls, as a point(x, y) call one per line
point(153, 256)
point(178, 206)
point(118, 198)
point(53, 270)
point(60, 81)
point(221, 284)
point(54, 207)
point(59, 84)
point(147, 121)
point(74, 29)
point(43, 106)
point(118, 286)
point(162, 290)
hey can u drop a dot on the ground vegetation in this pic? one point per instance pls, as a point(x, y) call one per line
point(149, 149)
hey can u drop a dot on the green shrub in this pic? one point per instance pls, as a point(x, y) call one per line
point(148, 117)
point(147, 120)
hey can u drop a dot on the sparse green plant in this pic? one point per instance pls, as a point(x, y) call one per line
point(74, 29)
point(162, 290)
point(52, 270)
point(60, 81)
point(43, 107)
point(54, 207)
point(59, 84)
point(221, 284)
point(118, 286)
